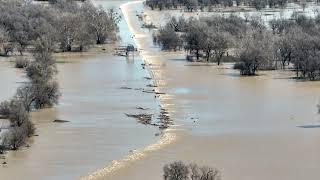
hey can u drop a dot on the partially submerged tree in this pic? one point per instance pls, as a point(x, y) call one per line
point(44, 90)
point(14, 138)
point(195, 37)
point(21, 125)
point(14, 111)
point(181, 171)
point(203, 173)
point(168, 39)
point(293, 43)
point(306, 56)
point(254, 53)
point(204, 38)
point(216, 45)
point(176, 171)
point(46, 94)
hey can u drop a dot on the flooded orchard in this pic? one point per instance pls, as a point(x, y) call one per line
point(248, 127)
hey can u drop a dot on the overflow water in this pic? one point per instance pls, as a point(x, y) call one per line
point(168, 136)
point(92, 100)
point(248, 127)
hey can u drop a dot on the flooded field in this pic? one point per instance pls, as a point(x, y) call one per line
point(311, 9)
point(248, 127)
point(94, 103)
point(11, 81)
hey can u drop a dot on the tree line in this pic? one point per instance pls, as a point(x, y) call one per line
point(40, 91)
point(283, 43)
point(191, 5)
point(66, 25)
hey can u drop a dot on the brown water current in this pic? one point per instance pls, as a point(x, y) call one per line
point(92, 100)
point(98, 131)
point(248, 127)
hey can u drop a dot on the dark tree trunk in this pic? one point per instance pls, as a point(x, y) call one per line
point(208, 56)
point(197, 54)
point(98, 41)
point(219, 58)
point(69, 48)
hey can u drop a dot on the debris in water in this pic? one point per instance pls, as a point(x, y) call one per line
point(309, 126)
point(148, 91)
point(164, 120)
point(141, 118)
point(125, 87)
point(160, 93)
point(151, 85)
point(141, 108)
point(60, 121)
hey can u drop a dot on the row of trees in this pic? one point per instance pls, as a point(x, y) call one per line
point(181, 171)
point(290, 43)
point(41, 91)
point(192, 5)
point(28, 25)
point(66, 25)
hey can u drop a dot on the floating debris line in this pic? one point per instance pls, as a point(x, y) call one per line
point(163, 120)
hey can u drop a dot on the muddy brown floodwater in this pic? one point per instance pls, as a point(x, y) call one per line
point(248, 127)
point(92, 100)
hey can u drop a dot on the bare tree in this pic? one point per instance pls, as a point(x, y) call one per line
point(168, 39)
point(208, 173)
point(285, 49)
point(46, 95)
point(180, 171)
point(68, 27)
point(100, 22)
point(195, 36)
point(254, 53)
point(216, 44)
point(176, 171)
point(4, 39)
point(14, 111)
point(14, 138)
